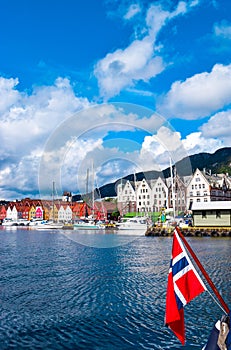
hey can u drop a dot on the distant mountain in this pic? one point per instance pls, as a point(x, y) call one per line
point(217, 162)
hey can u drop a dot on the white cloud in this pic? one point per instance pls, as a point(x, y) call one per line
point(132, 11)
point(32, 118)
point(223, 29)
point(123, 67)
point(140, 61)
point(27, 121)
point(78, 140)
point(159, 148)
point(196, 143)
point(8, 94)
point(218, 127)
point(194, 3)
point(200, 95)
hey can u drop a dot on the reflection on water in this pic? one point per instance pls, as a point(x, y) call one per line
point(59, 294)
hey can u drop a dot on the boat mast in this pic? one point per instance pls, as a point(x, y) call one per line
point(173, 188)
point(87, 181)
point(53, 200)
point(93, 196)
point(134, 175)
point(86, 196)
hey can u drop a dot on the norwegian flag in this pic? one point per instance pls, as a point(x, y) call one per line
point(184, 284)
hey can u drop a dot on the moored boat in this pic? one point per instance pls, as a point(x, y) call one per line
point(19, 222)
point(9, 222)
point(135, 223)
point(46, 225)
point(88, 225)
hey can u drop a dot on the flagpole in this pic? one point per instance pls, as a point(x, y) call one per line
point(224, 305)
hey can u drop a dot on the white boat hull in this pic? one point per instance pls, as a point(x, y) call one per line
point(48, 226)
point(20, 222)
point(88, 227)
point(133, 224)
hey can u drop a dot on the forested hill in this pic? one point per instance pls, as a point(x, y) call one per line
point(218, 162)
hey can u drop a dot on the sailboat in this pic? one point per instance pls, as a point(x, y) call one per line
point(89, 222)
point(50, 224)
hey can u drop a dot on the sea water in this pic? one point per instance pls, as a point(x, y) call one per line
point(73, 290)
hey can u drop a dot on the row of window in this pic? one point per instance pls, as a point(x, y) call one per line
point(204, 214)
point(199, 186)
point(198, 193)
point(143, 190)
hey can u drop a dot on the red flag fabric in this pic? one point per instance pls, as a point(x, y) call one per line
point(184, 284)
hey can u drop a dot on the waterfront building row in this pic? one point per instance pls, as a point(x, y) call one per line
point(177, 193)
point(146, 196)
point(58, 211)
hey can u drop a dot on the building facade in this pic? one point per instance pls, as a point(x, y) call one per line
point(212, 214)
point(126, 197)
point(205, 187)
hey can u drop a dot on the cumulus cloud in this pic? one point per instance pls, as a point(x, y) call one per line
point(218, 127)
point(166, 143)
point(31, 118)
point(198, 96)
point(26, 123)
point(8, 94)
point(196, 143)
point(123, 67)
point(97, 133)
point(56, 135)
point(140, 61)
point(159, 148)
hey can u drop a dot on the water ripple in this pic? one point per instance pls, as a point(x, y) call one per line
point(58, 294)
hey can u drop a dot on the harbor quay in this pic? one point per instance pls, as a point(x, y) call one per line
point(190, 231)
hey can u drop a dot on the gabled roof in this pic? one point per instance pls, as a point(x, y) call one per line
point(202, 174)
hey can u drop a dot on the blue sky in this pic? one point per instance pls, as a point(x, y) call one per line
point(122, 84)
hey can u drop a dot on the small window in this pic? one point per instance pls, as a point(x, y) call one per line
point(204, 216)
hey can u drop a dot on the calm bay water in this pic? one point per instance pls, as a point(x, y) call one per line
point(65, 290)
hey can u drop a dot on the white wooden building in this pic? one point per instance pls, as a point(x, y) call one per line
point(159, 198)
point(205, 188)
point(12, 213)
point(143, 197)
point(212, 214)
point(126, 197)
